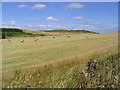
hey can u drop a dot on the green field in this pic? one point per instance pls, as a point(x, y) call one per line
point(70, 31)
point(58, 54)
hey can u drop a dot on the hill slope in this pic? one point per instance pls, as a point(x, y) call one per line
point(14, 32)
point(81, 31)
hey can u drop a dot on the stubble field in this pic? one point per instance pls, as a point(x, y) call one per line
point(58, 55)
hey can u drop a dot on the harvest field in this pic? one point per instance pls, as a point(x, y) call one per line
point(52, 57)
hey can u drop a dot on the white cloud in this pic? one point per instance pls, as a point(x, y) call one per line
point(81, 22)
point(106, 29)
point(97, 23)
point(75, 5)
point(44, 27)
point(49, 27)
point(86, 22)
point(37, 26)
point(22, 5)
point(9, 23)
point(90, 20)
point(69, 15)
point(61, 27)
point(38, 6)
point(78, 18)
point(9, 27)
point(51, 19)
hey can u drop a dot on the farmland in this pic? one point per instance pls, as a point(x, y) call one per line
point(52, 58)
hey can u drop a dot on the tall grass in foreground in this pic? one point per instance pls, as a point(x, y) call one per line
point(65, 73)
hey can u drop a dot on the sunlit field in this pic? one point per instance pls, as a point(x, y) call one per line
point(52, 57)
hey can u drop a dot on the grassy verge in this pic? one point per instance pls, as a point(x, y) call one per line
point(105, 76)
point(67, 74)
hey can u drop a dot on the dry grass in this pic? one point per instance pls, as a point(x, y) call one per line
point(42, 32)
point(48, 59)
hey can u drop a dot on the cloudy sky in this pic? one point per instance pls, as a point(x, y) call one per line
point(93, 16)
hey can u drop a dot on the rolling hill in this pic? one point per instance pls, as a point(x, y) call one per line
point(15, 32)
point(78, 31)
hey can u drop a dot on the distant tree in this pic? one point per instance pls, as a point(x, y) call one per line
point(3, 36)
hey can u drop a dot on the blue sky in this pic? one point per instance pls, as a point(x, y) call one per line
point(93, 16)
